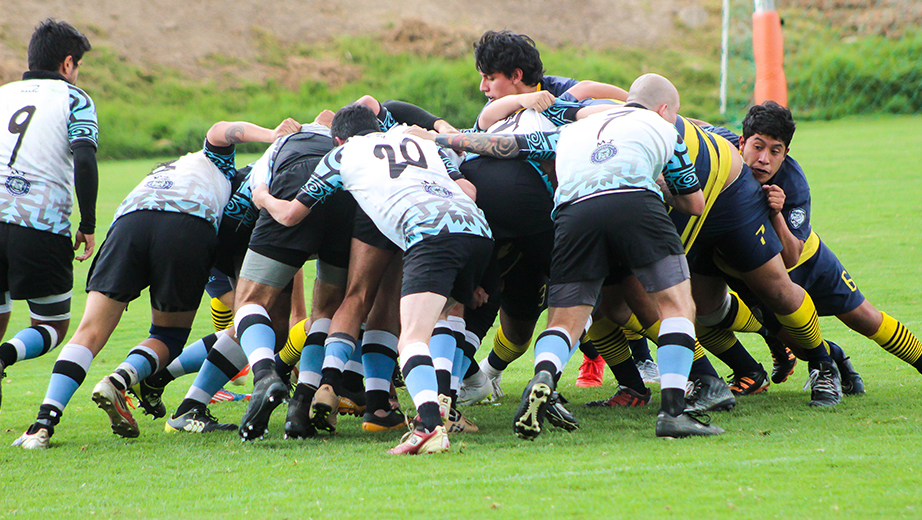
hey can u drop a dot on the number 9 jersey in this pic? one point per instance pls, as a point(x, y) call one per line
point(40, 121)
point(405, 185)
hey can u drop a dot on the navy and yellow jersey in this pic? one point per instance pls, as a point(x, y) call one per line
point(556, 85)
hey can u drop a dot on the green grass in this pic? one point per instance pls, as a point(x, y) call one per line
point(778, 459)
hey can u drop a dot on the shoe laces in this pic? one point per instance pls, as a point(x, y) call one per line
point(820, 381)
point(205, 412)
point(700, 417)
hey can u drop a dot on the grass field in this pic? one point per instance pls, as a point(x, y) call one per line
point(778, 459)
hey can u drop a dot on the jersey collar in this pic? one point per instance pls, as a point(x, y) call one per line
point(42, 74)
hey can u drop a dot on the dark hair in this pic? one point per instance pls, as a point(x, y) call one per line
point(353, 120)
point(52, 42)
point(505, 51)
point(770, 119)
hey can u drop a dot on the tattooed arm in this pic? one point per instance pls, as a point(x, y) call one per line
point(229, 133)
point(536, 145)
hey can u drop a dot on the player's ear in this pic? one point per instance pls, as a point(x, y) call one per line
point(516, 76)
point(338, 141)
point(742, 143)
point(67, 66)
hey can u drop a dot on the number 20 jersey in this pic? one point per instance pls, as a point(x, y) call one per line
point(40, 120)
point(402, 183)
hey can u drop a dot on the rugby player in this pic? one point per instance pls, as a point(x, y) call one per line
point(406, 186)
point(48, 139)
point(178, 207)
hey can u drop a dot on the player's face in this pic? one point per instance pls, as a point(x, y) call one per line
point(497, 85)
point(764, 155)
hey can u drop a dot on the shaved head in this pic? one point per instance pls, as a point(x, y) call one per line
point(656, 93)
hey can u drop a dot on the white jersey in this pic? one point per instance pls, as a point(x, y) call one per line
point(622, 148)
point(197, 184)
point(403, 184)
point(40, 121)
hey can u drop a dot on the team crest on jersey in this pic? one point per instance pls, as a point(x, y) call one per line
point(439, 191)
point(159, 182)
point(603, 153)
point(17, 186)
point(798, 217)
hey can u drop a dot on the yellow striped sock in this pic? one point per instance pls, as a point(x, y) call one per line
point(716, 341)
point(804, 326)
point(633, 325)
point(699, 351)
point(221, 315)
point(609, 341)
point(507, 350)
point(744, 321)
point(297, 336)
point(896, 339)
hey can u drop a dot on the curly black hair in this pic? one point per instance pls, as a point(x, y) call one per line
point(770, 119)
point(52, 42)
point(505, 51)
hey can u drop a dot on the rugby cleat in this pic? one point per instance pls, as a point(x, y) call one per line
point(475, 389)
point(224, 395)
point(687, 424)
point(352, 403)
point(533, 409)
point(558, 415)
point(112, 401)
point(418, 441)
point(394, 420)
point(298, 423)
point(241, 378)
point(324, 408)
point(708, 394)
point(37, 437)
point(749, 384)
point(649, 371)
point(624, 397)
point(197, 420)
point(150, 399)
point(457, 423)
point(591, 372)
point(783, 366)
point(494, 380)
point(824, 384)
point(268, 393)
point(852, 384)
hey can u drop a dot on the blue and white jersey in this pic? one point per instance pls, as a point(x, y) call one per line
point(40, 122)
point(197, 184)
point(404, 184)
point(619, 149)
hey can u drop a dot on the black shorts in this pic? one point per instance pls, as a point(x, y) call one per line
point(525, 264)
point(33, 263)
point(325, 232)
point(513, 196)
point(172, 253)
point(451, 265)
point(365, 230)
point(599, 236)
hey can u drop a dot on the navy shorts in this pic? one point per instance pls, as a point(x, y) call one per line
point(832, 289)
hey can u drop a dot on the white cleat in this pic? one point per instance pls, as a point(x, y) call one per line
point(475, 389)
point(33, 441)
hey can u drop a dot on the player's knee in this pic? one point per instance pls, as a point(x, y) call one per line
point(173, 337)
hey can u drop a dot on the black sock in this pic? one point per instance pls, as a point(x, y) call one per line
point(626, 374)
point(334, 378)
point(673, 401)
point(262, 368)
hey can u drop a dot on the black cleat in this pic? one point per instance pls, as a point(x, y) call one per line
point(150, 399)
point(298, 422)
point(824, 384)
point(559, 416)
point(750, 383)
point(531, 413)
point(852, 384)
point(783, 366)
point(352, 403)
point(687, 424)
point(708, 394)
point(268, 393)
point(197, 420)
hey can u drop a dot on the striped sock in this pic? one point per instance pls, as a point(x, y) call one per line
point(67, 375)
point(28, 344)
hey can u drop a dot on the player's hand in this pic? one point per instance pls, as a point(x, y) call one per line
point(325, 118)
point(539, 100)
point(260, 191)
point(89, 245)
point(480, 297)
point(288, 126)
point(420, 132)
point(775, 196)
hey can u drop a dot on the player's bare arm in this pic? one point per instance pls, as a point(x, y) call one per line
point(502, 108)
point(500, 146)
point(227, 133)
point(793, 246)
point(587, 89)
point(285, 212)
